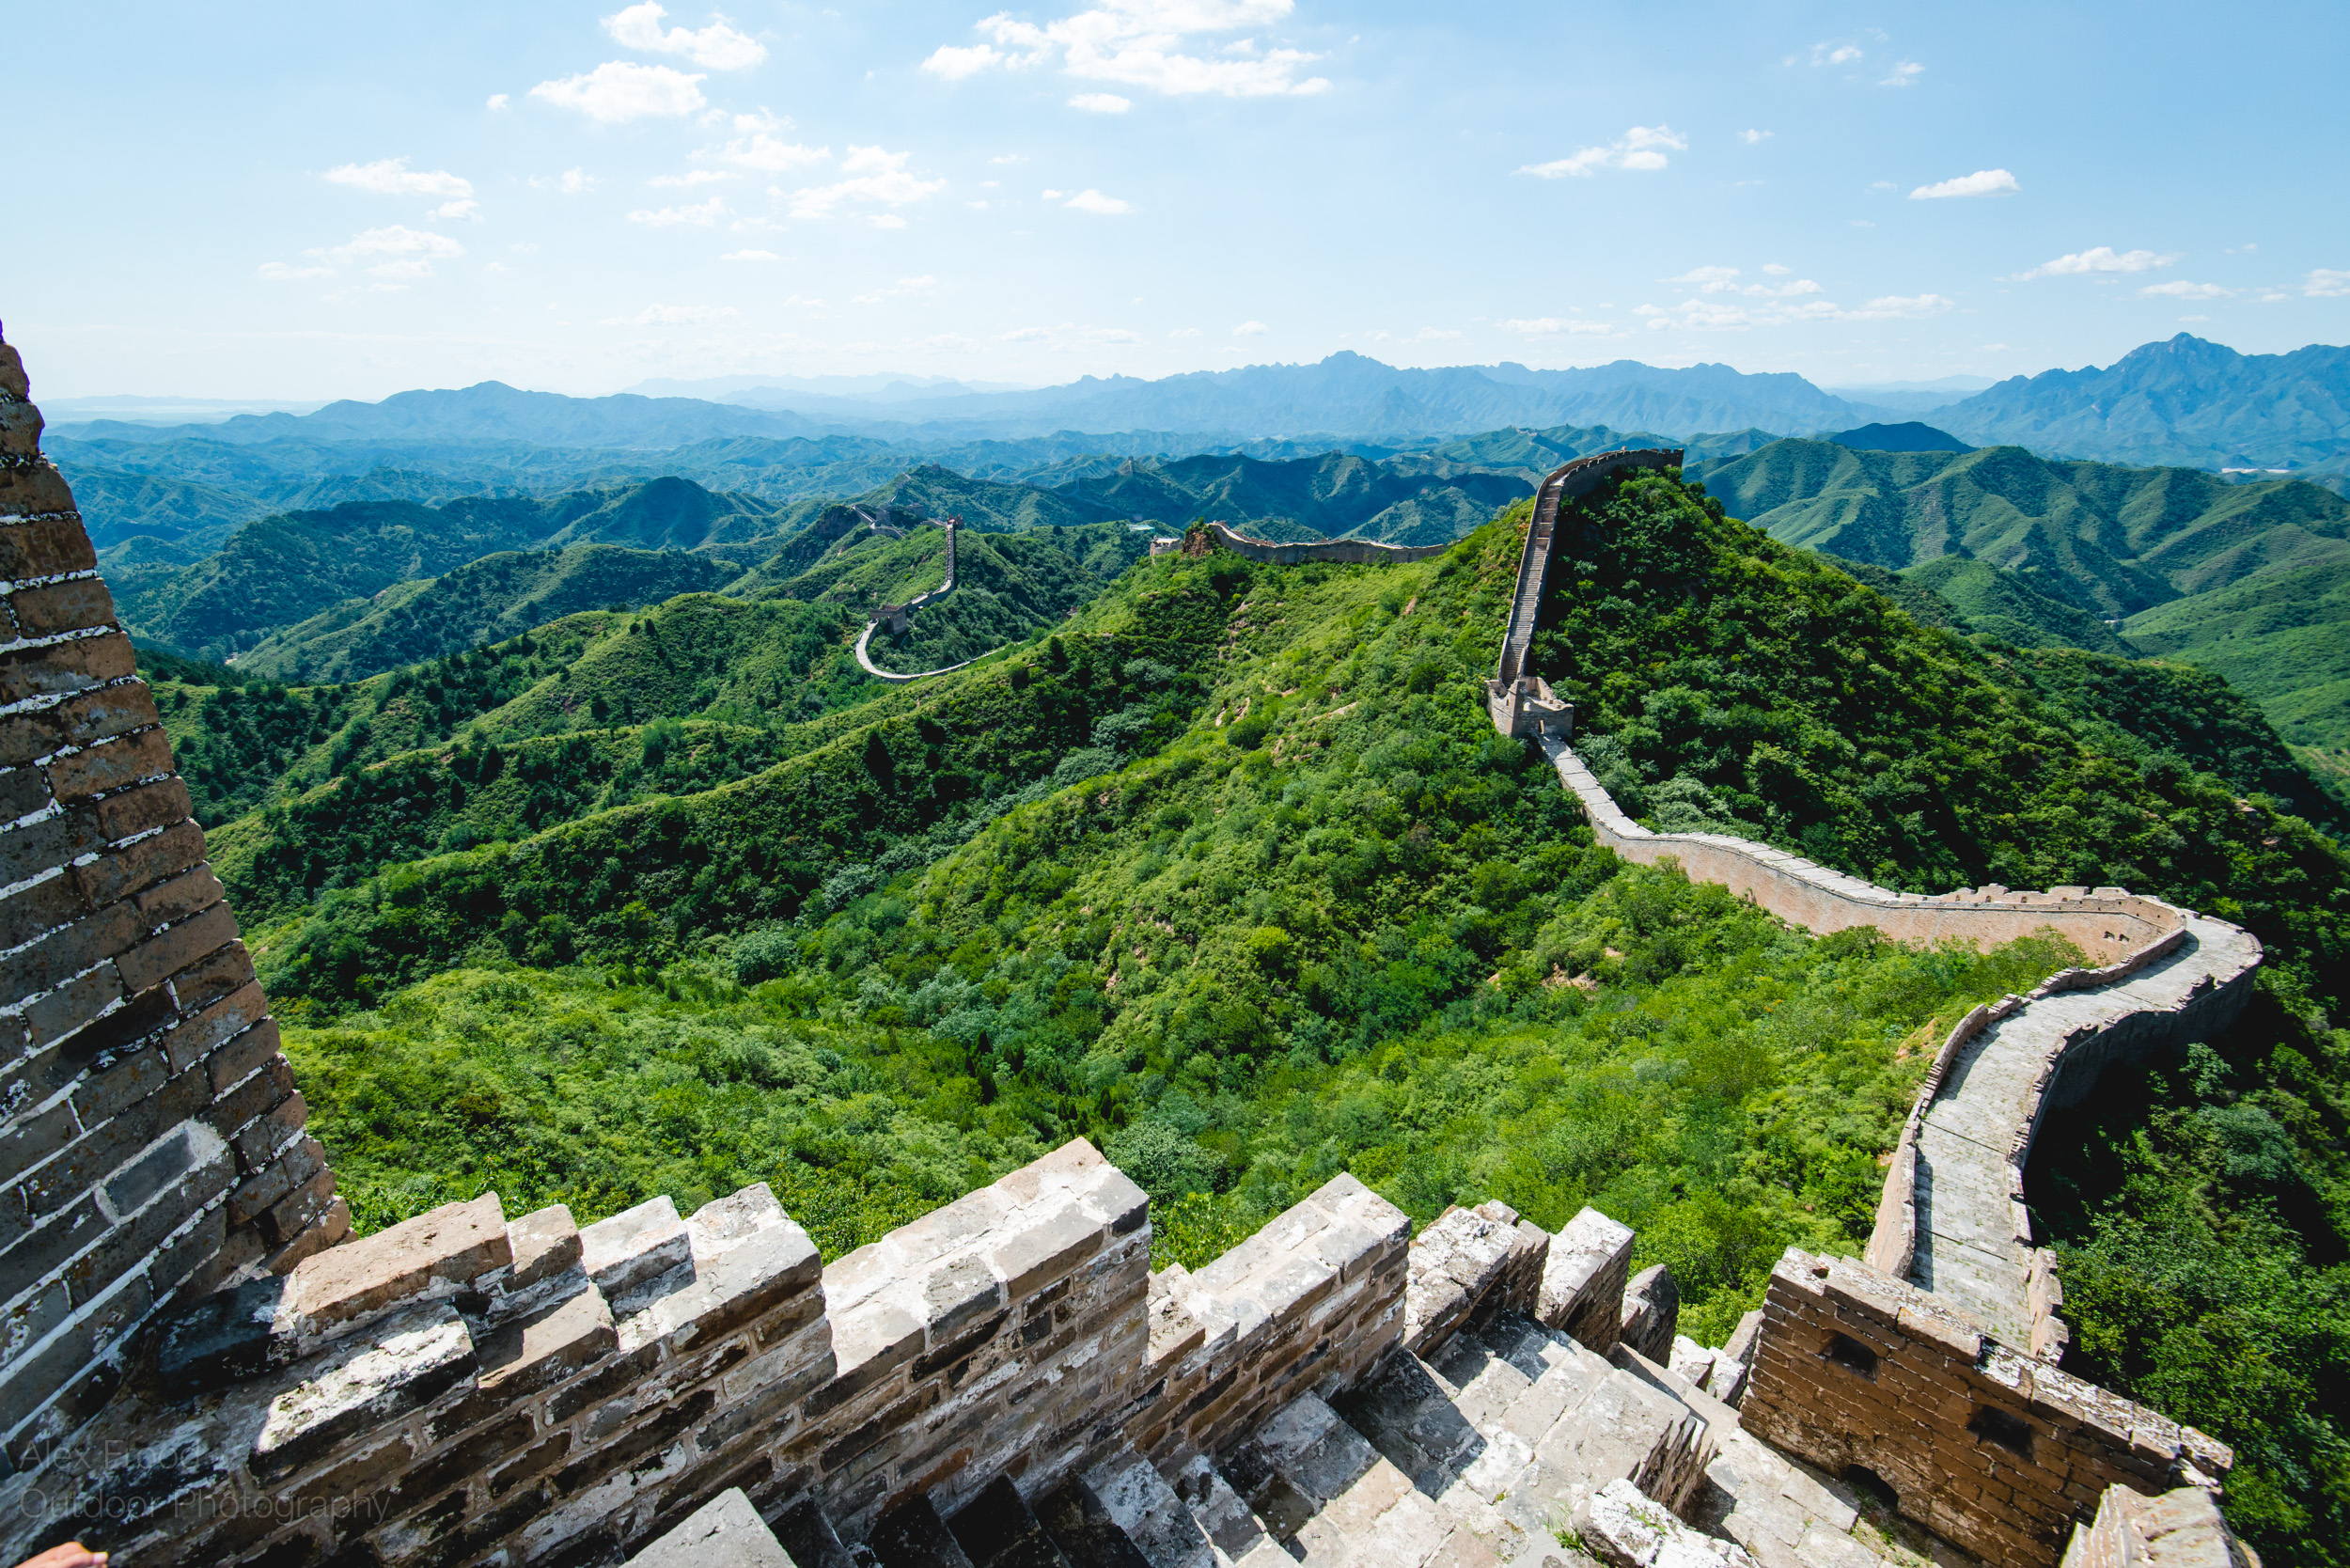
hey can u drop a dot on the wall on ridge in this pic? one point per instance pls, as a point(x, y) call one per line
point(1343, 552)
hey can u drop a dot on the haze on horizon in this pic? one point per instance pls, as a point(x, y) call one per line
point(579, 198)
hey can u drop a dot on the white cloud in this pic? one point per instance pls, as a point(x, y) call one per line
point(277, 272)
point(1900, 307)
point(717, 46)
point(2195, 317)
point(956, 61)
point(690, 179)
point(905, 288)
point(2179, 289)
point(395, 240)
point(1981, 182)
point(1724, 280)
point(1434, 335)
point(886, 220)
point(468, 208)
point(619, 90)
point(673, 315)
point(702, 212)
point(1141, 43)
point(1640, 147)
point(569, 182)
point(875, 176)
point(1776, 269)
point(1251, 329)
point(1904, 73)
point(1011, 158)
point(2099, 258)
point(1775, 308)
point(2326, 283)
point(1750, 138)
point(1834, 53)
point(750, 256)
point(757, 144)
point(413, 266)
point(1091, 200)
point(1560, 326)
point(392, 176)
point(499, 100)
point(1101, 104)
point(1184, 332)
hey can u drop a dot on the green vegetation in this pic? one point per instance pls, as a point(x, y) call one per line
point(1228, 872)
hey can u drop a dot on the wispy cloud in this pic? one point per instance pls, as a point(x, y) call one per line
point(1101, 104)
point(1904, 73)
point(750, 256)
point(718, 47)
point(621, 90)
point(1143, 43)
point(905, 288)
point(1643, 146)
point(2179, 289)
point(397, 239)
point(2326, 283)
point(690, 179)
point(2099, 258)
point(757, 144)
point(277, 272)
point(1724, 280)
point(1722, 310)
point(392, 176)
point(1980, 184)
point(673, 315)
point(1750, 138)
point(569, 182)
point(876, 177)
point(1560, 326)
point(1251, 329)
point(702, 214)
point(1090, 201)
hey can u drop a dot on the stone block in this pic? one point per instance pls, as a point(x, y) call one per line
point(1652, 1313)
point(66, 607)
point(60, 670)
point(545, 1244)
point(1044, 1250)
point(633, 1247)
point(724, 1533)
point(433, 1255)
point(1583, 1278)
point(734, 1282)
point(230, 1335)
point(360, 1387)
point(177, 948)
point(109, 764)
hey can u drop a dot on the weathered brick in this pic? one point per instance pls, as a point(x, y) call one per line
point(20, 431)
point(451, 1246)
point(110, 764)
point(56, 670)
point(196, 1037)
point(53, 541)
point(260, 1142)
point(176, 948)
point(12, 379)
point(68, 607)
point(123, 1082)
point(292, 1213)
point(43, 906)
point(237, 1110)
point(181, 896)
point(150, 806)
point(105, 1148)
point(243, 1056)
point(119, 874)
point(223, 974)
point(28, 1140)
point(130, 1246)
point(135, 1019)
point(63, 954)
point(258, 1192)
point(22, 792)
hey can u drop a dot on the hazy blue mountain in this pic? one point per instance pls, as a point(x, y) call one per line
point(117, 505)
point(2187, 401)
point(1909, 436)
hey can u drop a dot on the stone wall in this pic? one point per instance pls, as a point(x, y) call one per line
point(1344, 552)
point(1985, 1446)
point(151, 1139)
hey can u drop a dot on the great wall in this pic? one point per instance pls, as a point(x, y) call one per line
point(201, 1364)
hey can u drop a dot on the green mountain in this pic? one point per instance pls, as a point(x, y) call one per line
point(281, 571)
point(2004, 605)
point(487, 599)
point(2153, 545)
point(1335, 496)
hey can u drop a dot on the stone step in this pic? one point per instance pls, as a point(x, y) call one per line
point(998, 1529)
point(1158, 1525)
point(724, 1532)
point(912, 1535)
point(1089, 1535)
point(1331, 1500)
point(1240, 1539)
point(808, 1540)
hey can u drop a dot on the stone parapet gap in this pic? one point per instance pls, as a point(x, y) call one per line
point(1988, 1447)
point(2183, 1528)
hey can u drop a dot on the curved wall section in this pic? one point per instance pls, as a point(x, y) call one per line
point(1341, 551)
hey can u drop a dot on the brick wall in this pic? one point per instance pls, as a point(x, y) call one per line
point(150, 1134)
point(1990, 1449)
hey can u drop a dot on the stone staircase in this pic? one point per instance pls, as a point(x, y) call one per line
point(1480, 1455)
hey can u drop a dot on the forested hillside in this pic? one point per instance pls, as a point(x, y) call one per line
point(1229, 872)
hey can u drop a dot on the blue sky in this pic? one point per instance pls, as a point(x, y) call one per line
point(342, 200)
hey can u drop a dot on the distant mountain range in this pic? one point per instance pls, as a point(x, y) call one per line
point(2185, 403)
